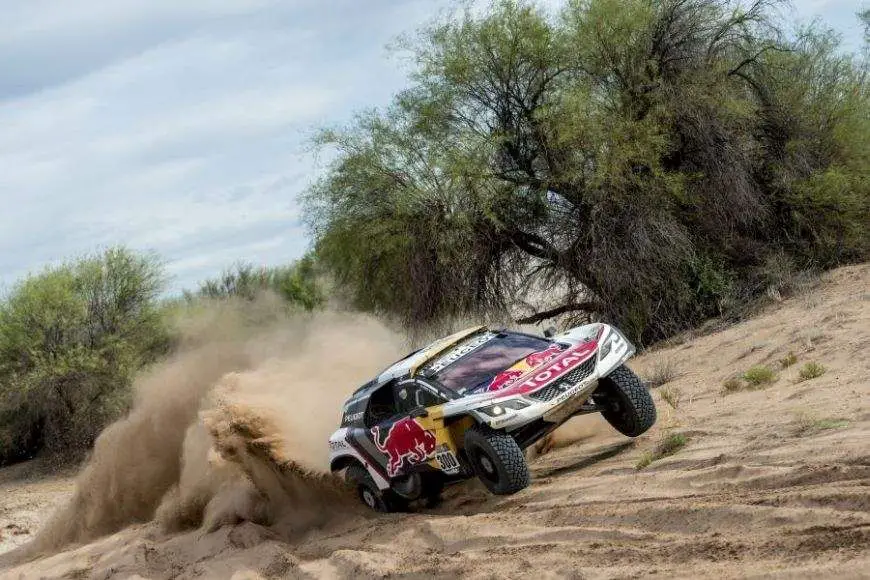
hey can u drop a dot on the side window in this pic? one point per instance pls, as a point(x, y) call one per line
point(406, 397)
point(410, 396)
point(427, 399)
point(381, 406)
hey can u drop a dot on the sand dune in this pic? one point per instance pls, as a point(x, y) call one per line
point(771, 483)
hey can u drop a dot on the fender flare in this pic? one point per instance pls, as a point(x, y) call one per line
point(344, 461)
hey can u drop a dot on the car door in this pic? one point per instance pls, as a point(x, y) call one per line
point(402, 439)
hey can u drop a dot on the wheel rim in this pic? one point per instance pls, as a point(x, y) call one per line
point(409, 487)
point(486, 465)
point(369, 498)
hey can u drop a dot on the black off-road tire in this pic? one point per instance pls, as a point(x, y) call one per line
point(628, 406)
point(497, 460)
point(381, 501)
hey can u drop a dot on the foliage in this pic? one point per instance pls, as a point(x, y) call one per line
point(635, 161)
point(806, 423)
point(788, 360)
point(759, 375)
point(71, 339)
point(295, 283)
point(811, 370)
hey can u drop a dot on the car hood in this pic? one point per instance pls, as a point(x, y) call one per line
point(533, 372)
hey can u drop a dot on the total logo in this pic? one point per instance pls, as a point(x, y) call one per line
point(561, 365)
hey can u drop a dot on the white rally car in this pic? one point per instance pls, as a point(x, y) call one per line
point(469, 404)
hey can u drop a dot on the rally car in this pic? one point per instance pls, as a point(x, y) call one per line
point(469, 404)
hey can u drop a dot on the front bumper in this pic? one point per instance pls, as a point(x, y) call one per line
point(555, 402)
point(557, 410)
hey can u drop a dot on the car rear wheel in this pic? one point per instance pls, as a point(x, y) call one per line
point(628, 406)
point(368, 492)
point(497, 460)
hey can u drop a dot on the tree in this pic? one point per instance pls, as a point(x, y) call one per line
point(71, 339)
point(631, 161)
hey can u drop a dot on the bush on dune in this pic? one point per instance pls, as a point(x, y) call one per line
point(73, 337)
point(71, 340)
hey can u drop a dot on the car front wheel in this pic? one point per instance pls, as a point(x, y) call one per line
point(497, 460)
point(628, 406)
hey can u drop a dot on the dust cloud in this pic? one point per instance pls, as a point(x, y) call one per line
point(232, 428)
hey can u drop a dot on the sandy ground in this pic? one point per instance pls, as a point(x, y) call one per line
point(772, 483)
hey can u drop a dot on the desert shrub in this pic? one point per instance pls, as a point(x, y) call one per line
point(811, 370)
point(662, 372)
point(759, 375)
point(788, 360)
point(635, 162)
point(668, 445)
point(296, 283)
point(71, 339)
point(809, 424)
point(733, 385)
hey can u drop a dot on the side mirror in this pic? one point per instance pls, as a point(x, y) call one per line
point(550, 332)
point(419, 412)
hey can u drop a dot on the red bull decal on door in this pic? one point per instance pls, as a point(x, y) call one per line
point(405, 439)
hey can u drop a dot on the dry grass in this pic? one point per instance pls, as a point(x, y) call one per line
point(811, 370)
point(733, 385)
point(662, 372)
point(668, 445)
point(672, 396)
point(808, 424)
point(812, 337)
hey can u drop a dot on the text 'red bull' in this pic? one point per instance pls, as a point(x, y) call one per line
point(405, 439)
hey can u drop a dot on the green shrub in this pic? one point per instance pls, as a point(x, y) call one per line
point(788, 360)
point(808, 424)
point(759, 375)
point(71, 340)
point(295, 283)
point(811, 370)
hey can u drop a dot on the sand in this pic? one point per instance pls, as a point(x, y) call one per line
point(772, 483)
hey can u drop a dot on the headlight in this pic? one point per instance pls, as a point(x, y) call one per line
point(498, 409)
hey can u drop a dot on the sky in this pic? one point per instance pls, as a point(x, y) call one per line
point(183, 128)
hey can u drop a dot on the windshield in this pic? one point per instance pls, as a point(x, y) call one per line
point(478, 368)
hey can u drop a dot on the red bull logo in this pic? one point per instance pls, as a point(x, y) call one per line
point(504, 379)
point(539, 358)
point(510, 376)
point(406, 439)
